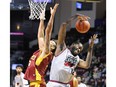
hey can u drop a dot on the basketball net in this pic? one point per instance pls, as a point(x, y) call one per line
point(36, 8)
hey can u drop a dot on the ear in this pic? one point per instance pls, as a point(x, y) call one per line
point(72, 44)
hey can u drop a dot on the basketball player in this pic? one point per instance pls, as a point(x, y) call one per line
point(41, 58)
point(65, 60)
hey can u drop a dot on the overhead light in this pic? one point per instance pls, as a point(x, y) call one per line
point(18, 27)
point(20, 7)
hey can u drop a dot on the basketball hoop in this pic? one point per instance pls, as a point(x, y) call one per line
point(36, 7)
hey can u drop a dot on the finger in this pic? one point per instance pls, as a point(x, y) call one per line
point(83, 16)
point(88, 17)
point(91, 37)
point(51, 9)
point(56, 5)
point(95, 35)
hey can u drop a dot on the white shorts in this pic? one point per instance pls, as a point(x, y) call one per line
point(55, 84)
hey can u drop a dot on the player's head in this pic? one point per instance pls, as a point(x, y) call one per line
point(19, 68)
point(76, 48)
point(75, 73)
point(79, 79)
point(52, 46)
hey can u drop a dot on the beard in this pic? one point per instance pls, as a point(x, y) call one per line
point(53, 51)
point(73, 51)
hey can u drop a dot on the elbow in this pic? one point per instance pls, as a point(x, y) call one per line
point(87, 67)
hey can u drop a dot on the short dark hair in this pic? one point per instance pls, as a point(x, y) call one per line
point(19, 65)
point(77, 42)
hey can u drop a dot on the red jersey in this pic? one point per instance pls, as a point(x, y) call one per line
point(71, 83)
point(30, 73)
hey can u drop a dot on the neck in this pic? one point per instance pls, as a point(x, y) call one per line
point(18, 73)
point(79, 82)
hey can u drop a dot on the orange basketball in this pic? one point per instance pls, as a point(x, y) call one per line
point(82, 26)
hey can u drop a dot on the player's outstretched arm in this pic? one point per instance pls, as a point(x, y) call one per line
point(49, 28)
point(48, 31)
point(41, 30)
point(62, 34)
point(86, 64)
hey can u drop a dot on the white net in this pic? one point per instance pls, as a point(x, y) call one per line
point(36, 8)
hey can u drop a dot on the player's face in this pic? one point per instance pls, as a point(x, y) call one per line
point(19, 69)
point(75, 74)
point(52, 45)
point(76, 48)
point(79, 79)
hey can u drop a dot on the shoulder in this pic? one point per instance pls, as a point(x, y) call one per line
point(78, 58)
point(75, 78)
point(37, 51)
point(62, 52)
point(22, 74)
point(48, 55)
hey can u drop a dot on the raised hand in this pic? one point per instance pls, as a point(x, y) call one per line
point(77, 16)
point(82, 17)
point(93, 38)
point(42, 14)
point(52, 11)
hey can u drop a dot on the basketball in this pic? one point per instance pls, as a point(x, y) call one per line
point(82, 26)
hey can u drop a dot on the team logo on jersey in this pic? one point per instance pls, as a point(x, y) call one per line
point(70, 61)
point(33, 57)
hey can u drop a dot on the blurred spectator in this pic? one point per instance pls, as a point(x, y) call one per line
point(19, 80)
point(80, 84)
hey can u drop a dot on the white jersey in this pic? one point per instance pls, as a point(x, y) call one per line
point(62, 66)
point(82, 85)
point(20, 79)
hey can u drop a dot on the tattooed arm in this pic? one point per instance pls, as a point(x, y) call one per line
point(62, 34)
